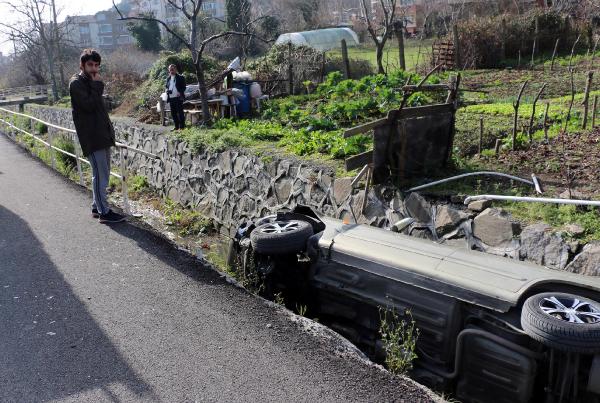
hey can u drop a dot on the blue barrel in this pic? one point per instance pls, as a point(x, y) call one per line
point(243, 108)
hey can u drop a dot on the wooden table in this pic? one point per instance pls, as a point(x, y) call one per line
point(214, 106)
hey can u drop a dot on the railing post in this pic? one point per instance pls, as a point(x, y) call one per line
point(162, 112)
point(123, 155)
point(50, 149)
point(78, 154)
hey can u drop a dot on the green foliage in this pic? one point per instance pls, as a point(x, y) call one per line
point(136, 186)
point(399, 339)
point(66, 163)
point(150, 91)
point(41, 128)
point(559, 215)
point(146, 34)
point(187, 222)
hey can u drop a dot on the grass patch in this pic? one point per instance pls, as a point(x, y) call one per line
point(557, 216)
point(185, 221)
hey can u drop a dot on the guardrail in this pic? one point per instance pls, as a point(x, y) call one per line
point(30, 90)
point(123, 148)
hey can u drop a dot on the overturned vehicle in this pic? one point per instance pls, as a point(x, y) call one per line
point(491, 329)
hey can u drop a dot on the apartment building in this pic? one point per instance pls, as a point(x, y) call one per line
point(103, 31)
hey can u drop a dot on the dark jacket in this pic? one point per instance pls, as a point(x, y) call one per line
point(92, 123)
point(179, 84)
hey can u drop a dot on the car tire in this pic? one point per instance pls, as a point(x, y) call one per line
point(563, 321)
point(281, 237)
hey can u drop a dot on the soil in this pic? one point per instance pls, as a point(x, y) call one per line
point(572, 159)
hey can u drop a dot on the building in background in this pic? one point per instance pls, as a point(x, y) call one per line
point(103, 31)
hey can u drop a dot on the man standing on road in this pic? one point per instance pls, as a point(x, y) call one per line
point(175, 92)
point(94, 130)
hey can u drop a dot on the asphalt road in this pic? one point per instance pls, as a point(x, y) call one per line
point(99, 313)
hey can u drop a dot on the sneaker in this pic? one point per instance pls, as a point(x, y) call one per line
point(111, 217)
point(95, 213)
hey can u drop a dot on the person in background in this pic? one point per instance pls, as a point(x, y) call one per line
point(175, 92)
point(94, 130)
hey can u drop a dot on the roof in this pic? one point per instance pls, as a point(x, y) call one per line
point(320, 39)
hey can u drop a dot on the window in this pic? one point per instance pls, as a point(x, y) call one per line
point(106, 40)
point(123, 39)
point(84, 29)
point(105, 28)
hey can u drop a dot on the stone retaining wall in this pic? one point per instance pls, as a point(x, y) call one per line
point(238, 184)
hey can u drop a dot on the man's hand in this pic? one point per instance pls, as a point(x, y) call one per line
point(96, 77)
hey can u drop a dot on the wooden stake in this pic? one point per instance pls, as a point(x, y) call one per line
point(322, 67)
point(503, 45)
point(345, 59)
point(367, 186)
point(480, 135)
point(586, 99)
point(290, 70)
point(456, 47)
point(554, 54)
point(572, 99)
point(594, 111)
point(546, 122)
point(537, 97)
point(400, 35)
point(516, 118)
point(497, 147)
point(573, 50)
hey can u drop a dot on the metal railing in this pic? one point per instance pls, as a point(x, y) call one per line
point(29, 90)
point(123, 148)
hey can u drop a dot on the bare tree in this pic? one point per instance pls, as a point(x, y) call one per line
point(192, 11)
point(382, 29)
point(36, 29)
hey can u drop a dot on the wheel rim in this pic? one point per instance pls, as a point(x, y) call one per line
point(280, 227)
point(267, 219)
point(570, 309)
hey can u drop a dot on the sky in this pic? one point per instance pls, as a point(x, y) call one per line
point(67, 7)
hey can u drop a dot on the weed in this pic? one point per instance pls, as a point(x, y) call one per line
point(301, 309)
point(187, 222)
point(279, 299)
point(137, 185)
point(399, 340)
point(114, 183)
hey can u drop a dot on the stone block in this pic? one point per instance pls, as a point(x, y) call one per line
point(588, 261)
point(495, 227)
point(418, 208)
point(540, 245)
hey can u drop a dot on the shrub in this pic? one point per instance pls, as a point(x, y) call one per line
point(481, 39)
point(66, 162)
point(41, 128)
point(399, 339)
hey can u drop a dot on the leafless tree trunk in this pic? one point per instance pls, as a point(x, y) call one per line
point(31, 30)
point(191, 11)
point(386, 29)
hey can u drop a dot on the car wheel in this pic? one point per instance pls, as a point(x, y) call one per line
point(562, 321)
point(281, 237)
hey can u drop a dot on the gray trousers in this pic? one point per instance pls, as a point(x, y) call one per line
point(100, 161)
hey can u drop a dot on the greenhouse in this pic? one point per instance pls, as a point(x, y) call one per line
point(320, 39)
